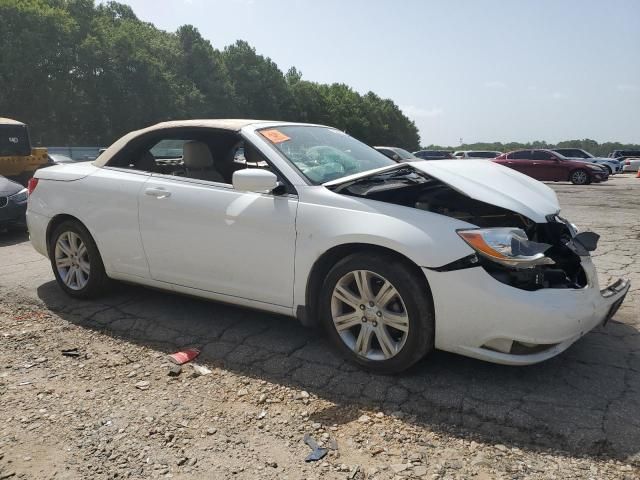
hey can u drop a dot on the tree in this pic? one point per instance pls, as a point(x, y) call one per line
point(261, 89)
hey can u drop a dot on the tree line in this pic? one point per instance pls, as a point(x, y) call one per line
point(80, 73)
point(594, 148)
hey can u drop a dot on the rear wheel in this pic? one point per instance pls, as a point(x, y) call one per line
point(579, 177)
point(76, 262)
point(377, 312)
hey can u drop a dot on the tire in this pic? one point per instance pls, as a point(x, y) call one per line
point(608, 169)
point(580, 177)
point(410, 307)
point(90, 279)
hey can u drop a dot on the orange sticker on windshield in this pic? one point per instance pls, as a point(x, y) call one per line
point(276, 136)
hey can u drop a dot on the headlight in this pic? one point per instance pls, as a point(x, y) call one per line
point(596, 167)
point(19, 197)
point(507, 246)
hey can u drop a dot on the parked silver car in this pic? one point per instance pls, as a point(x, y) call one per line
point(612, 165)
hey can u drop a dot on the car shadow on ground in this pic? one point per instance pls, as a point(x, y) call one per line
point(585, 401)
point(13, 237)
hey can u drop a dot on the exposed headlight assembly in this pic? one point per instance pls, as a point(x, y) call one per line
point(507, 246)
point(19, 197)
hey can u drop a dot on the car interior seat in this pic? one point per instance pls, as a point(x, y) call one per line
point(147, 162)
point(198, 162)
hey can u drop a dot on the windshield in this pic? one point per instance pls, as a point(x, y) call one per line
point(572, 153)
point(14, 140)
point(403, 153)
point(323, 154)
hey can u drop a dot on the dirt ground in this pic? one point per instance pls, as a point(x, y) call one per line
point(115, 411)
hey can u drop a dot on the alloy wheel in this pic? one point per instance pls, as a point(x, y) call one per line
point(72, 260)
point(369, 315)
point(580, 177)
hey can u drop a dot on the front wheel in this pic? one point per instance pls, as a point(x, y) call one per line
point(579, 177)
point(76, 262)
point(377, 312)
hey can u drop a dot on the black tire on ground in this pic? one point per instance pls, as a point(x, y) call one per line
point(417, 300)
point(98, 282)
point(580, 177)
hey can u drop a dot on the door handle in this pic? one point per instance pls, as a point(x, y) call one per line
point(157, 192)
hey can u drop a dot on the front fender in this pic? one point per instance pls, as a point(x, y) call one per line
point(324, 222)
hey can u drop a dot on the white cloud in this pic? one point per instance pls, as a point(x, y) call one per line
point(558, 95)
point(627, 87)
point(495, 84)
point(413, 111)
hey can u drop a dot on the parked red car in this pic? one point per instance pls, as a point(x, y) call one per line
point(551, 166)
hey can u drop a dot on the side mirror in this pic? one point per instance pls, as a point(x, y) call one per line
point(254, 180)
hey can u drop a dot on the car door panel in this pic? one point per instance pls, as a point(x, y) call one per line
point(214, 238)
point(110, 206)
point(518, 162)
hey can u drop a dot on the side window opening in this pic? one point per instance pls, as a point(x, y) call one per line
point(203, 154)
point(541, 155)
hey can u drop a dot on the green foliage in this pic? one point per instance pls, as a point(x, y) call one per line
point(594, 148)
point(81, 73)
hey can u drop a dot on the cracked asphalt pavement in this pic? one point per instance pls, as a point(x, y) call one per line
point(585, 402)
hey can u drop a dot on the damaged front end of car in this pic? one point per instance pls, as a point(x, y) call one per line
point(512, 248)
point(544, 294)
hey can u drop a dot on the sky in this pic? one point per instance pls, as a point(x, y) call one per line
point(483, 70)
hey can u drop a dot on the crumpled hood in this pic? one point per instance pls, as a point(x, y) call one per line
point(9, 187)
point(485, 181)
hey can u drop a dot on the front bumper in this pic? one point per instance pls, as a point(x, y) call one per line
point(474, 312)
point(599, 177)
point(12, 214)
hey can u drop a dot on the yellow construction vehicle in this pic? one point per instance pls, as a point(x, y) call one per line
point(18, 160)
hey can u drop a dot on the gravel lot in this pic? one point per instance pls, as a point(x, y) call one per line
point(114, 411)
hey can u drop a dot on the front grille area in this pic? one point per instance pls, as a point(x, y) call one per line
point(3, 201)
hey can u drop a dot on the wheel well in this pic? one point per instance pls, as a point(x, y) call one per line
point(332, 256)
point(571, 172)
point(55, 221)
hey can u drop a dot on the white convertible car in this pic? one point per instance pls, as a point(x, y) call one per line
point(391, 259)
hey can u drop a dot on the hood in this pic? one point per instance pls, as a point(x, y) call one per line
point(605, 159)
point(9, 187)
point(485, 181)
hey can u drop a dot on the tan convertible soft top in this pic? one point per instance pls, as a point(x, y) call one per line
point(221, 124)
point(9, 121)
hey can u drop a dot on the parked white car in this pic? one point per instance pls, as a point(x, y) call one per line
point(631, 165)
point(476, 154)
point(393, 259)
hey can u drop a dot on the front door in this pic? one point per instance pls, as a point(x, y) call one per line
point(547, 167)
point(210, 237)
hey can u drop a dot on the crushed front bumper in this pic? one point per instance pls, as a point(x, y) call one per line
point(474, 312)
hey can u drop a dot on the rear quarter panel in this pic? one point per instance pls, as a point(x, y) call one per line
point(106, 202)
